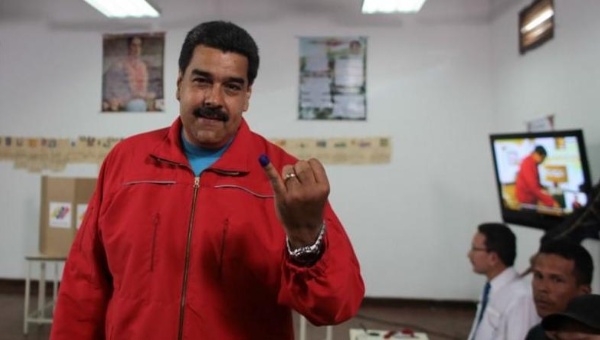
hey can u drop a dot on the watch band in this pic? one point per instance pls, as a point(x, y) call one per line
point(307, 254)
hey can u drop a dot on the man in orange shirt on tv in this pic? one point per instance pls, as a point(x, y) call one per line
point(528, 188)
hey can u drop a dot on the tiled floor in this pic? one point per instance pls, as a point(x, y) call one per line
point(441, 321)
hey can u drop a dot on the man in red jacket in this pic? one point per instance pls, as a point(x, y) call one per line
point(527, 187)
point(204, 229)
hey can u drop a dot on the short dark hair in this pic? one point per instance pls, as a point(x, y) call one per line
point(582, 311)
point(582, 260)
point(500, 240)
point(222, 35)
point(540, 150)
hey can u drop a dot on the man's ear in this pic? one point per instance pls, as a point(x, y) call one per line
point(247, 101)
point(179, 80)
point(585, 289)
point(494, 258)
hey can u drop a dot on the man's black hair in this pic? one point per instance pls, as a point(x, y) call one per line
point(222, 35)
point(583, 268)
point(540, 150)
point(500, 240)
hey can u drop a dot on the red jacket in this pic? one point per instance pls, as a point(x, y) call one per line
point(162, 254)
point(527, 186)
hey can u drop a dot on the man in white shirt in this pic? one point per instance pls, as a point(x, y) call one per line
point(508, 311)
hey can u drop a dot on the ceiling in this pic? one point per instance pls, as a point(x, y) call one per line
point(78, 15)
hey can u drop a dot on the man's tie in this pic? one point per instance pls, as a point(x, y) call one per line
point(484, 301)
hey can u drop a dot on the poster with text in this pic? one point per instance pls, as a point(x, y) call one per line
point(132, 72)
point(332, 78)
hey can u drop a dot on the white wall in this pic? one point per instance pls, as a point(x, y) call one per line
point(434, 89)
point(429, 88)
point(49, 87)
point(561, 77)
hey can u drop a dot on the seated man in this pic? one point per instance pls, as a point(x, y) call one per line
point(580, 321)
point(506, 310)
point(562, 270)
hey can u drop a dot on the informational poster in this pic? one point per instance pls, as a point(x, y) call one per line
point(332, 78)
point(60, 215)
point(132, 72)
point(542, 124)
point(351, 151)
point(41, 153)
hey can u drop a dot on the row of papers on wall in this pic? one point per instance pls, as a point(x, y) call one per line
point(36, 154)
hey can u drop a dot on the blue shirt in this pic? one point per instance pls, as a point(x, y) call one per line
point(201, 158)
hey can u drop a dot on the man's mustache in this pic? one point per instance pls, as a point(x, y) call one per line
point(211, 113)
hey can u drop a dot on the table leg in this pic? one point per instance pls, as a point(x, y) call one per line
point(42, 289)
point(302, 328)
point(55, 286)
point(27, 293)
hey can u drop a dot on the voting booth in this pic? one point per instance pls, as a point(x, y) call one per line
point(64, 203)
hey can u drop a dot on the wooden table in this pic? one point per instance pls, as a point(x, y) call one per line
point(38, 316)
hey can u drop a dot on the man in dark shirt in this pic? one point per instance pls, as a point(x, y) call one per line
point(580, 321)
point(562, 270)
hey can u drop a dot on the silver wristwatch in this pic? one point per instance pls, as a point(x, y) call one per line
point(307, 254)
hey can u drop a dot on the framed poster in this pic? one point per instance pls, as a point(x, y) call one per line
point(332, 78)
point(132, 72)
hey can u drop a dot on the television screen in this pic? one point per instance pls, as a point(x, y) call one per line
point(541, 177)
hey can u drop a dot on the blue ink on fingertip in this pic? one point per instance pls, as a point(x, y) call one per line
point(264, 160)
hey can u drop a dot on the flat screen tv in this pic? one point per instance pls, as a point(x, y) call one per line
point(541, 177)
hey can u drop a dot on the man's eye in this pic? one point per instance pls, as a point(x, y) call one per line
point(233, 87)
